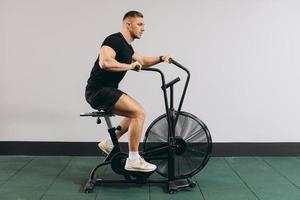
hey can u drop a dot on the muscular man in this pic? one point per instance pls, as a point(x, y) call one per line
point(115, 58)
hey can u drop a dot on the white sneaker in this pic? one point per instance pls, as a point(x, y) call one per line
point(139, 165)
point(105, 146)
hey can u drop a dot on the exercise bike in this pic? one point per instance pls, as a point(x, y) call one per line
point(177, 142)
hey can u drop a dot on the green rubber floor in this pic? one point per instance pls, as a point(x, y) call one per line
point(229, 178)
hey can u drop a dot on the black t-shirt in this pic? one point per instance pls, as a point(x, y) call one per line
point(101, 78)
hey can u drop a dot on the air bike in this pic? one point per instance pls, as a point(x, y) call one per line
point(177, 142)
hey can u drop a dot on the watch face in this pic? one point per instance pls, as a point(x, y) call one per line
point(161, 58)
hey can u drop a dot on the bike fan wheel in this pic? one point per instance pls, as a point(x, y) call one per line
point(193, 145)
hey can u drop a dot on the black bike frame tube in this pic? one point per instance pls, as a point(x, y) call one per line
point(165, 94)
point(185, 86)
point(171, 97)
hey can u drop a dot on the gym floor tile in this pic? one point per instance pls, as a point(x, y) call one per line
point(72, 179)
point(218, 180)
point(69, 197)
point(38, 173)
point(16, 193)
point(10, 165)
point(116, 191)
point(231, 178)
point(288, 167)
point(263, 180)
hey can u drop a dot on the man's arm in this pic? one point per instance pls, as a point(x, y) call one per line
point(147, 61)
point(108, 62)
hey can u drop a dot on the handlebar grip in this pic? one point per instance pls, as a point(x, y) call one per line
point(175, 63)
point(137, 67)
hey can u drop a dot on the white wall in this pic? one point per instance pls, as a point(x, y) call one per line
point(242, 54)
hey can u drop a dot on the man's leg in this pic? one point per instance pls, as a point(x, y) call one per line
point(128, 107)
point(106, 145)
point(125, 125)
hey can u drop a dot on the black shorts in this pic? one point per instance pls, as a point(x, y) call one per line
point(104, 98)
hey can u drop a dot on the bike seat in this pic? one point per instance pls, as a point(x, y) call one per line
point(100, 113)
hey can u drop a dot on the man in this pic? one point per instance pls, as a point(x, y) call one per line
point(115, 58)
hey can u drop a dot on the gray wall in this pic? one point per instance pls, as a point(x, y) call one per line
point(242, 54)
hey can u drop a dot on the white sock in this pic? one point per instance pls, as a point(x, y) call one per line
point(108, 141)
point(133, 155)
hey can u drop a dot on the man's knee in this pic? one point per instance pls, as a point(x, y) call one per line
point(140, 113)
point(128, 107)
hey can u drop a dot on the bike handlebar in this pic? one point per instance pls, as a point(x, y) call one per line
point(175, 80)
point(174, 62)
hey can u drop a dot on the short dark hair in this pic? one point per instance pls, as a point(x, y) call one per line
point(133, 13)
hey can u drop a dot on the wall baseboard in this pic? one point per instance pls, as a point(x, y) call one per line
point(91, 149)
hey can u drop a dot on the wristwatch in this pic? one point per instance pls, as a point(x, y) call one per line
point(161, 59)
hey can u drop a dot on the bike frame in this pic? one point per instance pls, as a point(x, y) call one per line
point(172, 116)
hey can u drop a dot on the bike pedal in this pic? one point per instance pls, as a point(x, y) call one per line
point(139, 174)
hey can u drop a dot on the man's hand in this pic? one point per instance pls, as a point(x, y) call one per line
point(136, 66)
point(166, 58)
